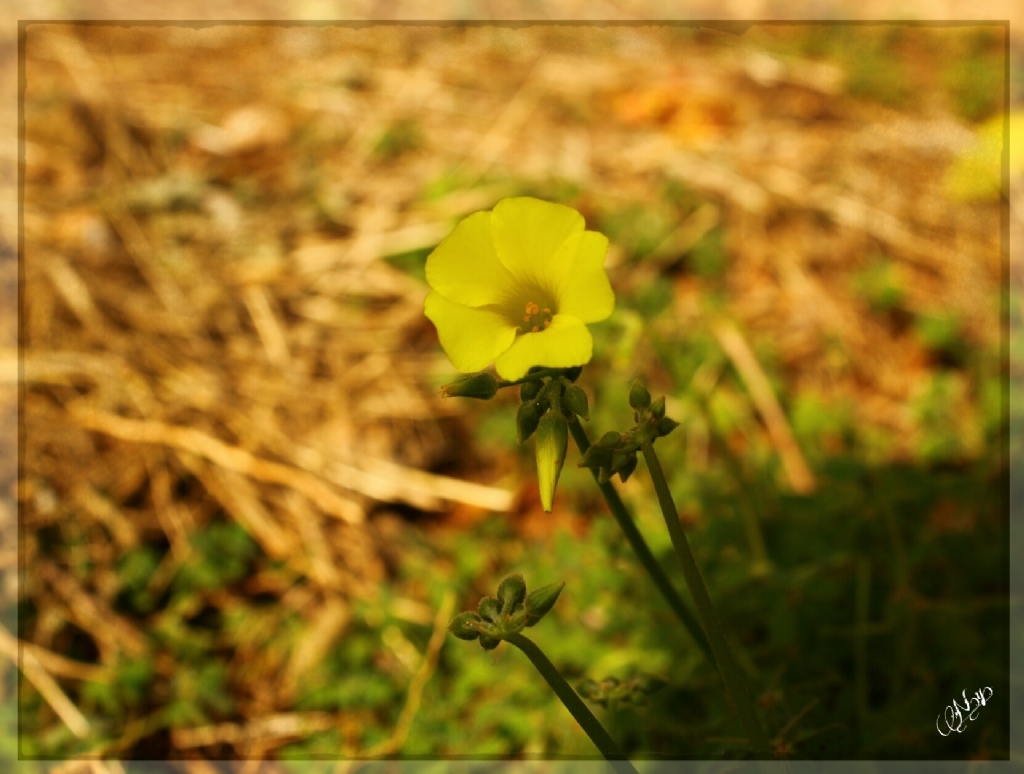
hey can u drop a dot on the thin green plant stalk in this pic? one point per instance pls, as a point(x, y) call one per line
point(735, 686)
point(591, 725)
point(642, 550)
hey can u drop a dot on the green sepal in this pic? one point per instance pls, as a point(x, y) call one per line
point(527, 419)
point(482, 386)
point(572, 374)
point(610, 440)
point(511, 593)
point(464, 626)
point(639, 397)
point(489, 609)
point(540, 601)
point(487, 642)
point(575, 401)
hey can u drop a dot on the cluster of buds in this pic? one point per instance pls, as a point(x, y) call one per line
point(610, 690)
point(616, 452)
point(546, 409)
point(498, 618)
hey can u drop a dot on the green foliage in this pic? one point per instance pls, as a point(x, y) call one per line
point(224, 552)
point(401, 137)
point(413, 263)
point(880, 285)
point(707, 258)
point(976, 85)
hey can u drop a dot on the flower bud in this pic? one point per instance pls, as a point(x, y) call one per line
point(540, 601)
point(575, 401)
point(511, 593)
point(529, 390)
point(619, 460)
point(627, 469)
point(639, 397)
point(464, 626)
point(489, 609)
point(482, 386)
point(647, 683)
point(596, 456)
point(589, 689)
point(664, 426)
point(610, 440)
point(487, 642)
point(658, 408)
point(552, 438)
point(527, 419)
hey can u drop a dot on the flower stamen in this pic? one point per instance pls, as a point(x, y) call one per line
point(536, 318)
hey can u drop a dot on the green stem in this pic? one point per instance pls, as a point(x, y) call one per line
point(536, 376)
point(641, 549)
point(575, 705)
point(734, 684)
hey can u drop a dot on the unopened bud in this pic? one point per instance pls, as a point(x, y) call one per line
point(487, 642)
point(489, 609)
point(552, 439)
point(664, 426)
point(482, 386)
point(540, 601)
point(610, 440)
point(639, 397)
point(511, 593)
point(464, 625)
point(596, 456)
point(627, 469)
point(527, 419)
point(658, 408)
point(529, 390)
point(575, 400)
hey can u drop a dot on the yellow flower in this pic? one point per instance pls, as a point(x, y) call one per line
point(517, 285)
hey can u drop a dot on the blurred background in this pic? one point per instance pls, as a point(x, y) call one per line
point(247, 514)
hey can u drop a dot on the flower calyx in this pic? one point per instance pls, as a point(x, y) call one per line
point(512, 610)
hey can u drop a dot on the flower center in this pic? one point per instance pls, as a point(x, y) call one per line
point(536, 318)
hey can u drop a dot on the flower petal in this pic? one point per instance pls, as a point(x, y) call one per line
point(465, 269)
point(528, 234)
point(585, 292)
point(471, 338)
point(565, 344)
